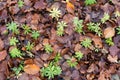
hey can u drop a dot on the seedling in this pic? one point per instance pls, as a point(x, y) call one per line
point(78, 55)
point(51, 71)
point(13, 41)
point(15, 53)
point(109, 41)
point(86, 42)
point(48, 48)
point(35, 34)
point(90, 2)
point(78, 25)
point(118, 30)
point(106, 17)
point(13, 27)
point(20, 3)
point(55, 13)
point(95, 28)
point(29, 46)
point(57, 58)
point(18, 69)
point(60, 28)
point(26, 29)
point(72, 62)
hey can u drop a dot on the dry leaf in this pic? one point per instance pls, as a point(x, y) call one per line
point(97, 42)
point(31, 69)
point(109, 32)
point(70, 7)
point(112, 58)
point(3, 55)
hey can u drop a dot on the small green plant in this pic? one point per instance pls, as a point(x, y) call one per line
point(55, 13)
point(57, 58)
point(86, 42)
point(118, 30)
point(90, 2)
point(72, 62)
point(13, 41)
point(48, 48)
point(20, 3)
point(15, 53)
point(95, 28)
point(35, 34)
point(78, 25)
point(51, 71)
point(106, 17)
point(18, 69)
point(26, 29)
point(60, 28)
point(29, 46)
point(13, 27)
point(78, 55)
point(109, 41)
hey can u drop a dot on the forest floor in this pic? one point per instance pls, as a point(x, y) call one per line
point(59, 40)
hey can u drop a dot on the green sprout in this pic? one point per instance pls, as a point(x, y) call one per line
point(90, 2)
point(118, 30)
point(78, 25)
point(15, 53)
point(72, 62)
point(29, 46)
point(35, 34)
point(18, 69)
point(26, 29)
point(57, 58)
point(78, 55)
point(95, 28)
point(51, 71)
point(60, 28)
point(55, 13)
point(20, 3)
point(109, 41)
point(13, 27)
point(106, 17)
point(48, 48)
point(13, 41)
point(86, 42)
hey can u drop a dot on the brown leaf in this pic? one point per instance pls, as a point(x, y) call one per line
point(39, 5)
point(109, 32)
point(70, 7)
point(112, 58)
point(97, 42)
point(31, 69)
point(114, 50)
point(45, 41)
point(1, 44)
point(3, 55)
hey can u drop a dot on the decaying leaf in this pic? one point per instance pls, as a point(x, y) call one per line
point(97, 41)
point(112, 58)
point(31, 69)
point(109, 32)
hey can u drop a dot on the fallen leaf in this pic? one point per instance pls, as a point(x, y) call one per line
point(112, 58)
point(3, 55)
point(70, 7)
point(1, 44)
point(114, 50)
point(97, 42)
point(31, 69)
point(109, 32)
